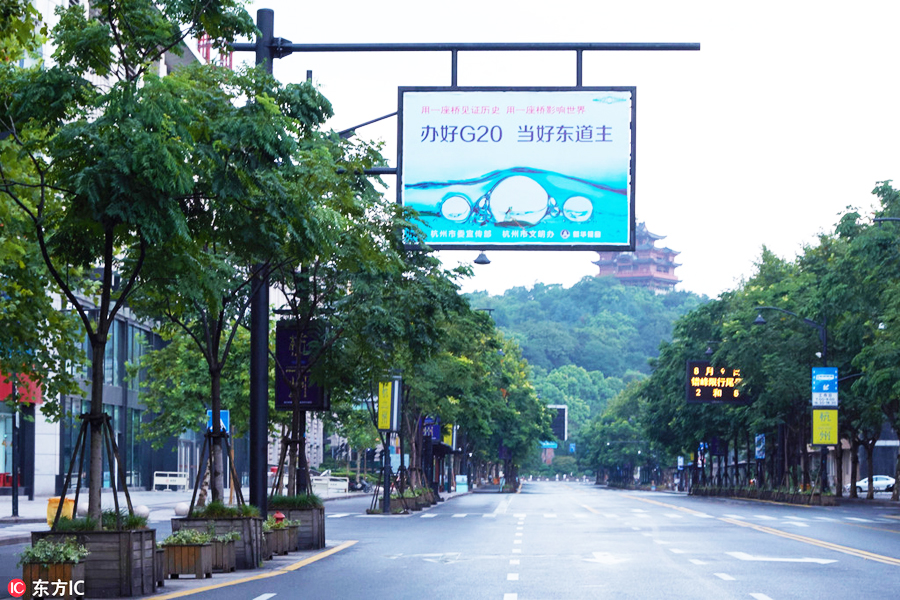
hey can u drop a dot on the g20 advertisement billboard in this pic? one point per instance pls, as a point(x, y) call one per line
point(520, 168)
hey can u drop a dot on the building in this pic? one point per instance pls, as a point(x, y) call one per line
point(648, 266)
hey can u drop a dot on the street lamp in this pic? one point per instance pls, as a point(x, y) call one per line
point(823, 337)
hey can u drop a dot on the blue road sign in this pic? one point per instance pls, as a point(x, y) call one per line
point(824, 386)
point(224, 419)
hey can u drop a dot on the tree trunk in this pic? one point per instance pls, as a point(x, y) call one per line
point(204, 488)
point(895, 495)
point(839, 470)
point(217, 453)
point(292, 454)
point(854, 467)
point(870, 451)
point(95, 477)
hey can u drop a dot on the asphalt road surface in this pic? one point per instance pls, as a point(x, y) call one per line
point(566, 540)
point(573, 540)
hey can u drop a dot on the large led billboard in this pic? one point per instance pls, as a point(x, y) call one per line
point(519, 168)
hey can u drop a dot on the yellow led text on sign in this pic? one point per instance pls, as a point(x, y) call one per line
point(825, 427)
point(384, 406)
point(713, 384)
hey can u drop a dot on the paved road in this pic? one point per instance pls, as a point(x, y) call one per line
point(565, 540)
point(559, 540)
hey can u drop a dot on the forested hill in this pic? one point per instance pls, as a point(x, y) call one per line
point(586, 341)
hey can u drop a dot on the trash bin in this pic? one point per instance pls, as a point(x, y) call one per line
point(53, 504)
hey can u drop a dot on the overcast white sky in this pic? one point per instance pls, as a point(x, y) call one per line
point(787, 114)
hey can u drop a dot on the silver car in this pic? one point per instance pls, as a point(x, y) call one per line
point(880, 483)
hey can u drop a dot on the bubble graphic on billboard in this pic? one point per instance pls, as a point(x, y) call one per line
point(514, 168)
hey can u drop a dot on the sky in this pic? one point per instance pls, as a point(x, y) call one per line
point(786, 116)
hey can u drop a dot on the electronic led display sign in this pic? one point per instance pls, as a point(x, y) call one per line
point(706, 383)
point(519, 168)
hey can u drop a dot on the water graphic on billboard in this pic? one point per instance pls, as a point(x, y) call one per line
point(530, 168)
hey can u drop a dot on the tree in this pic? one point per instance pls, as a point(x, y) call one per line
point(110, 151)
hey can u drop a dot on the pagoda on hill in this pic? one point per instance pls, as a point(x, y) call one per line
point(648, 266)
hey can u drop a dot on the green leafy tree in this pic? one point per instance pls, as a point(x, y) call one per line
point(110, 151)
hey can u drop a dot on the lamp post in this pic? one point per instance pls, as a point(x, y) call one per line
point(823, 337)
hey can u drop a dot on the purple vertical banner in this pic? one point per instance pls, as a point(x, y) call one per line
point(293, 355)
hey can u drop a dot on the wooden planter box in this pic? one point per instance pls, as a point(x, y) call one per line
point(268, 545)
point(120, 563)
point(293, 538)
point(223, 557)
point(193, 559)
point(47, 574)
point(312, 526)
point(159, 567)
point(247, 550)
point(282, 541)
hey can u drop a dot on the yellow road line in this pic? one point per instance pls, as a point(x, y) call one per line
point(791, 536)
point(281, 571)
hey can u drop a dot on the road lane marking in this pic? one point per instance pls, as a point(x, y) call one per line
point(428, 516)
point(459, 516)
point(512, 576)
point(724, 576)
point(549, 516)
point(338, 515)
point(514, 561)
point(749, 557)
point(766, 517)
point(859, 520)
point(888, 560)
point(520, 515)
point(697, 561)
point(519, 533)
point(510, 596)
point(281, 571)
point(517, 551)
point(517, 541)
point(265, 597)
point(758, 596)
point(676, 551)
point(605, 558)
point(822, 544)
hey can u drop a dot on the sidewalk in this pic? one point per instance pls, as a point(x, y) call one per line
point(33, 514)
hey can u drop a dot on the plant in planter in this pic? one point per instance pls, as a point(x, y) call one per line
point(188, 552)
point(306, 509)
point(279, 535)
point(122, 553)
point(221, 519)
point(223, 550)
point(54, 568)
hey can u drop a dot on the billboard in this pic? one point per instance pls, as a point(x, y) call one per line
point(292, 354)
point(560, 423)
point(718, 385)
point(519, 168)
point(389, 404)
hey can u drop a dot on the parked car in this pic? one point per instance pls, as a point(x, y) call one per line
point(880, 483)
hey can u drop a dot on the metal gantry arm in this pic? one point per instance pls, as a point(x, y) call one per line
point(820, 327)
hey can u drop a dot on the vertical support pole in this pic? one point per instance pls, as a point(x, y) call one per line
point(579, 63)
point(386, 456)
point(454, 68)
point(15, 446)
point(259, 324)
